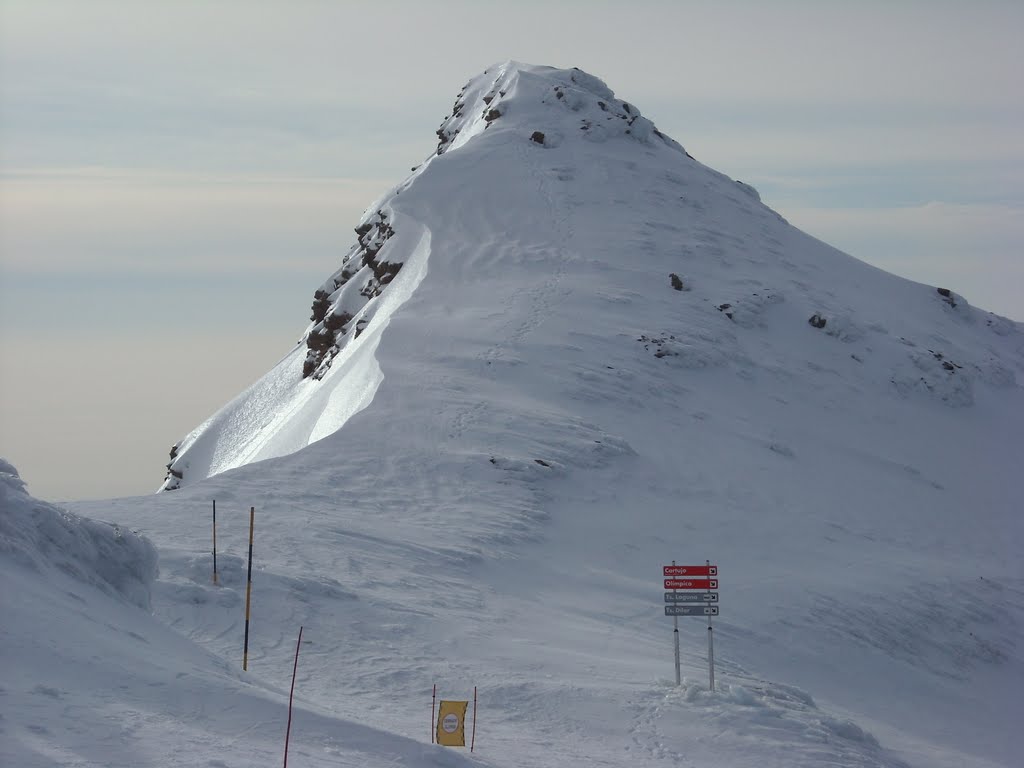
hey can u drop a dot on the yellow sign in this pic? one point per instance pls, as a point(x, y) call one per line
point(451, 723)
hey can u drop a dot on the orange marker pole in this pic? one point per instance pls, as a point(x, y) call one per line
point(472, 741)
point(288, 730)
point(214, 541)
point(248, 591)
point(433, 703)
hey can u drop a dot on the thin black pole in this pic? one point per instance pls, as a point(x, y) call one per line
point(288, 730)
point(472, 742)
point(675, 636)
point(214, 541)
point(248, 591)
point(711, 636)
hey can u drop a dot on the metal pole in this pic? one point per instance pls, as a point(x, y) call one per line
point(291, 695)
point(472, 742)
point(433, 701)
point(248, 591)
point(711, 639)
point(214, 541)
point(675, 634)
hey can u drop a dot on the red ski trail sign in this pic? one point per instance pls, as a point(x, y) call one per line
point(691, 583)
point(689, 570)
point(680, 577)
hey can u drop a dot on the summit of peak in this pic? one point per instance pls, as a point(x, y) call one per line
point(554, 215)
point(552, 103)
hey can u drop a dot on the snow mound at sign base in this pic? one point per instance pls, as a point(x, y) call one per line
point(42, 537)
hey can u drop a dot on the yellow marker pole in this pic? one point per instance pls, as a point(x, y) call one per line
point(214, 541)
point(248, 591)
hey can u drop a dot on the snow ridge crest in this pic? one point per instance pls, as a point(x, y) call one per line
point(549, 104)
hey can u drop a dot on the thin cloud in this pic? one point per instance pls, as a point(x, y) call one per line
point(117, 219)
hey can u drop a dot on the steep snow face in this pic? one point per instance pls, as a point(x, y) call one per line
point(545, 184)
point(334, 373)
point(288, 408)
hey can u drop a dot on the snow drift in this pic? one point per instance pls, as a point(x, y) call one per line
point(44, 538)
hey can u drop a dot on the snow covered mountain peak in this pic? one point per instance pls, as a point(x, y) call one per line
point(555, 223)
point(507, 102)
point(549, 104)
point(559, 356)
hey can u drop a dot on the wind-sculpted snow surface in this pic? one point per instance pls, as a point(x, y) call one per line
point(285, 411)
point(563, 208)
point(44, 538)
point(599, 356)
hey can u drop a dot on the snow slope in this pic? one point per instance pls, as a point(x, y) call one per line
point(91, 678)
point(592, 221)
point(596, 356)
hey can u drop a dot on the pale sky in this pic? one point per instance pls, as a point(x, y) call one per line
point(176, 178)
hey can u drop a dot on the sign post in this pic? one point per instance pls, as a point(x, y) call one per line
point(695, 603)
point(291, 695)
point(449, 729)
point(248, 592)
point(215, 541)
point(711, 640)
point(675, 632)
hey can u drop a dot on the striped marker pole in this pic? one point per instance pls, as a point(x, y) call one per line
point(248, 591)
point(214, 541)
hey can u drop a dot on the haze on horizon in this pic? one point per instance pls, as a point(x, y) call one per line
point(176, 180)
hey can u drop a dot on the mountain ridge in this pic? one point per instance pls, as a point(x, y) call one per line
point(697, 225)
